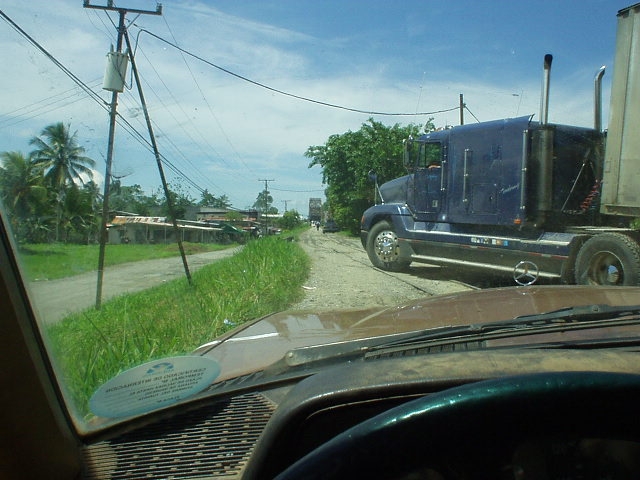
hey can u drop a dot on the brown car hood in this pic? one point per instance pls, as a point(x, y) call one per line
point(259, 343)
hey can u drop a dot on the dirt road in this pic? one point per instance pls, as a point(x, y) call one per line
point(342, 277)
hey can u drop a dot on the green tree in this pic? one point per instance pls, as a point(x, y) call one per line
point(22, 191)
point(132, 199)
point(290, 220)
point(210, 200)
point(180, 199)
point(264, 203)
point(82, 206)
point(62, 161)
point(346, 159)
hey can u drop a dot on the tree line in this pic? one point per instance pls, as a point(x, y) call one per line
point(50, 194)
point(346, 160)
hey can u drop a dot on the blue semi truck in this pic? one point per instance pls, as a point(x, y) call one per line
point(528, 198)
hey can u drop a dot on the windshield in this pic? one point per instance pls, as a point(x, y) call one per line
point(170, 175)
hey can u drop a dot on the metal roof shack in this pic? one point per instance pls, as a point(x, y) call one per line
point(141, 230)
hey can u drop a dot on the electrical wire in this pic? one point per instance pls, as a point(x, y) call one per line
point(215, 117)
point(42, 107)
point(121, 120)
point(287, 94)
point(179, 123)
point(467, 109)
point(296, 191)
point(55, 61)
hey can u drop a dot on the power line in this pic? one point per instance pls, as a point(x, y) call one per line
point(166, 138)
point(215, 117)
point(287, 94)
point(296, 191)
point(42, 107)
point(66, 71)
point(122, 121)
point(187, 132)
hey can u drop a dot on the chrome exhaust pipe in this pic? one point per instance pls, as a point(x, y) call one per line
point(545, 150)
point(544, 99)
point(597, 99)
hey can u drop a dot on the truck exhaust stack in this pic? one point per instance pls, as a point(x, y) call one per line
point(597, 99)
point(544, 99)
point(545, 148)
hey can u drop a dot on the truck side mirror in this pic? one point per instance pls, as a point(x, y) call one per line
point(373, 176)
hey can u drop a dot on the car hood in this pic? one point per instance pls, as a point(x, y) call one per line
point(259, 343)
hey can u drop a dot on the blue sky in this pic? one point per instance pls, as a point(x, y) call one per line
point(225, 135)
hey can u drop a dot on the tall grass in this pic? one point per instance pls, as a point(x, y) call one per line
point(175, 318)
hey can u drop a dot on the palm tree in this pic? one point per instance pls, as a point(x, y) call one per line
point(21, 188)
point(62, 160)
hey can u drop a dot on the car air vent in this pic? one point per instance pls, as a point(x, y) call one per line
point(212, 441)
point(408, 351)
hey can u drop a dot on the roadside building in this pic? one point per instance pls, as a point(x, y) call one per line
point(211, 225)
point(139, 229)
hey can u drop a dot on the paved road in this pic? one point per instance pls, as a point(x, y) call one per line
point(54, 299)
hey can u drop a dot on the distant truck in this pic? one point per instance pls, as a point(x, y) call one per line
point(315, 210)
point(523, 197)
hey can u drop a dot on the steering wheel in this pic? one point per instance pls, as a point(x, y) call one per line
point(466, 422)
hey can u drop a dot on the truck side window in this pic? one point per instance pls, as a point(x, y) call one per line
point(430, 155)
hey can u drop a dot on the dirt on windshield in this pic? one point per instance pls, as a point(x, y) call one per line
point(342, 277)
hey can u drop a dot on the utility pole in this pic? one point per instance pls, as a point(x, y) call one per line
point(122, 12)
point(165, 186)
point(266, 204)
point(285, 205)
point(461, 109)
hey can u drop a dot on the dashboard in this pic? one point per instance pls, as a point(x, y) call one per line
point(403, 418)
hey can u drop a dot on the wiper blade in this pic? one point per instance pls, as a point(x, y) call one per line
point(580, 313)
point(572, 317)
point(582, 316)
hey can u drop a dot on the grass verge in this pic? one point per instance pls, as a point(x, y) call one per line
point(57, 260)
point(173, 319)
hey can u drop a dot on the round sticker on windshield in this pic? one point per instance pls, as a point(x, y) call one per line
point(153, 385)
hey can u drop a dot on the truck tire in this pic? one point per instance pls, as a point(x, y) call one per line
point(383, 248)
point(608, 259)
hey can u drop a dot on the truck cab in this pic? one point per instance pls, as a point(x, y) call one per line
point(559, 200)
point(472, 195)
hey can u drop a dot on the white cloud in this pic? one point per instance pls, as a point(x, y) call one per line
point(224, 133)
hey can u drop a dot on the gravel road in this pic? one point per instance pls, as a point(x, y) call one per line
point(342, 277)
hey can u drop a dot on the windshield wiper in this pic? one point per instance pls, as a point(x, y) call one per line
point(577, 317)
point(587, 316)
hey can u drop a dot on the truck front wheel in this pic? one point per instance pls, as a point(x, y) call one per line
point(608, 259)
point(383, 248)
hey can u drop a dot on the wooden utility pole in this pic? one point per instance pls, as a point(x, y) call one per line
point(461, 109)
point(165, 186)
point(122, 12)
